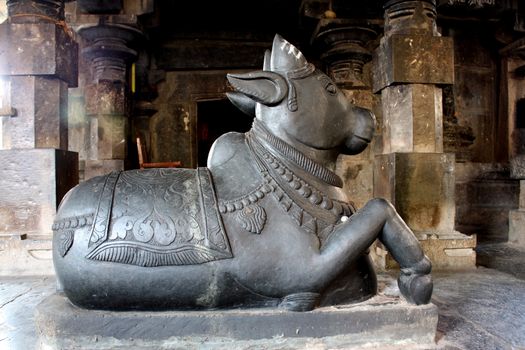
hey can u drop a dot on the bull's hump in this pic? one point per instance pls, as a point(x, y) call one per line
point(232, 167)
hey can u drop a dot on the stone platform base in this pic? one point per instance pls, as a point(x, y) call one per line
point(381, 321)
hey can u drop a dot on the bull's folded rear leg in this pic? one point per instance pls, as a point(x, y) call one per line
point(415, 282)
point(379, 219)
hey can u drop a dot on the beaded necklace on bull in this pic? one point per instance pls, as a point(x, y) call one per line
point(309, 207)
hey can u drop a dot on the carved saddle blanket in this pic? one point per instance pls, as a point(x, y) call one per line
point(158, 217)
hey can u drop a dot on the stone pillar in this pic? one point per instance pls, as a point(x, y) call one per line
point(514, 59)
point(410, 65)
point(345, 53)
point(107, 96)
point(39, 63)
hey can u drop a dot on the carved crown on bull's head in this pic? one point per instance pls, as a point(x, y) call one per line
point(292, 98)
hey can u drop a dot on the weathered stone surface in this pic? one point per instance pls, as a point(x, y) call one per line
point(41, 120)
point(517, 167)
point(105, 97)
point(452, 252)
point(475, 106)
point(101, 167)
point(484, 196)
point(33, 182)
point(38, 49)
point(108, 137)
point(78, 125)
point(421, 187)
point(23, 257)
point(517, 227)
point(420, 59)
point(506, 257)
point(412, 118)
point(356, 175)
point(480, 309)
point(521, 200)
point(382, 320)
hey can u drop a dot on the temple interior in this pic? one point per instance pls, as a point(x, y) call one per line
point(88, 86)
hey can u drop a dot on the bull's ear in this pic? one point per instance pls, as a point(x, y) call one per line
point(243, 102)
point(264, 87)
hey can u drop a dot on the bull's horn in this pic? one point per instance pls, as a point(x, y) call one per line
point(243, 102)
point(265, 87)
point(285, 57)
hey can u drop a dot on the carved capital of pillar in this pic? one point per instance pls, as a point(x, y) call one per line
point(35, 11)
point(412, 51)
point(36, 41)
point(344, 50)
point(109, 50)
point(410, 17)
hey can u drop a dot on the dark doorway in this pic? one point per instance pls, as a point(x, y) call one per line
point(520, 114)
point(215, 118)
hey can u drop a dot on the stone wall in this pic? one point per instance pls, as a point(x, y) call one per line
point(173, 127)
point(470, 112)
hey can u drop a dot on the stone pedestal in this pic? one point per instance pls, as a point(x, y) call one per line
point(379, 322)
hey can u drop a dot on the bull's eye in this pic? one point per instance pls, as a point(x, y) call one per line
point(331, 88)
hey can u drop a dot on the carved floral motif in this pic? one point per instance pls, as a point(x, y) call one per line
point(159, 217)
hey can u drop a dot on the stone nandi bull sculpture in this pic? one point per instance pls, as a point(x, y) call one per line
point(266, 224)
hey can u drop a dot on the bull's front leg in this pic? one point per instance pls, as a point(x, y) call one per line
point(379, 219)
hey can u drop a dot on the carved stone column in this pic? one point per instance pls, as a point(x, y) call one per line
point(514, 66)
point(110, 55)
point(410, 65)
point(38, 58)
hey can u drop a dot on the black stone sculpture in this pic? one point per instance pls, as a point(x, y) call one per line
point(266, 224)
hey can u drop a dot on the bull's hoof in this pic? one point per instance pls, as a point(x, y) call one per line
point(300, 301)
point(417, 289)
point(415, 282)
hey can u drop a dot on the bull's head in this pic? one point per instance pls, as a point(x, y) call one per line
point(297, 102)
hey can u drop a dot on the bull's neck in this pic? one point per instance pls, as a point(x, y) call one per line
point(312, 161)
